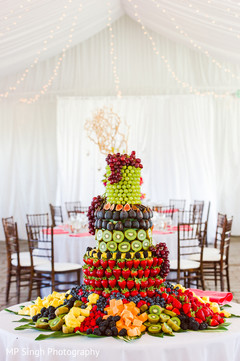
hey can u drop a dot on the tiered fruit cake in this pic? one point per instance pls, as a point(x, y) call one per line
point(125, 292)
point(123, 259)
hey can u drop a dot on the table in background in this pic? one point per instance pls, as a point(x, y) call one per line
point(187, 346)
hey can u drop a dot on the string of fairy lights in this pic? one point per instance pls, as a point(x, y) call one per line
point(46, 43)
point(22, 8)
point(166, 63)
point(113, 54)
point(55, 71)
point(194, 43)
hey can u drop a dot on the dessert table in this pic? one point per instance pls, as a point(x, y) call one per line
point(187, 346)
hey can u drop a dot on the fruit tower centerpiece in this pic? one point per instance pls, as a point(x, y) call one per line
point(125, 293)
point(124, 259)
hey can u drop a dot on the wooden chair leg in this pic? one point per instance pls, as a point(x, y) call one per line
point(215, 276)
point(9, 276)
point(202, 281)
point(222, 280)
point(30, 287)
point(228, 279)
point(18, 276)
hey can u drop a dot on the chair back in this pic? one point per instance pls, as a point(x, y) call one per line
point(164, 210)
point(38, 219)
point(225, 241)
point(40, 242)
point(197, 212)
point(191, 241)
point(80, 209)
point(70, 207)
point(11, 238)
point(177, 204)
point(56, 215)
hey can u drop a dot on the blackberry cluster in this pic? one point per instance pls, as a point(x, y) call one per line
point(189, 323)
point(107, 327)
point(45, 312)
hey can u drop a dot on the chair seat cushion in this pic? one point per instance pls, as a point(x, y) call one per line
point(185, 264)
point(25, 260)
point(58, 267)
point(209, 255)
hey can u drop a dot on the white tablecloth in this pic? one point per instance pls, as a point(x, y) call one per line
point(189, 346)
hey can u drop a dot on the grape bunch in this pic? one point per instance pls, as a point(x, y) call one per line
point(117, 161)
point(97, 202)
point(161, 251)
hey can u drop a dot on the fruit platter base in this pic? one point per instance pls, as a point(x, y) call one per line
point(187, 346)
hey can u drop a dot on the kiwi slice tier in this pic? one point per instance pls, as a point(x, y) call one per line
point(99, 235)
point(130, 234)
point(107, 236)
point(42, 323)
point(102, 247)
point(112, 246)
point(124, 247)
point(136, 246)
point(141, 235)
point(166, 328)
point(146, 244)
point(149, 233)
point(118, 236)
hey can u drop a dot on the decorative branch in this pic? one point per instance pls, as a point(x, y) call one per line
point(104, 130)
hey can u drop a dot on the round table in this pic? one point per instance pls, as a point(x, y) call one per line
point(187, 346)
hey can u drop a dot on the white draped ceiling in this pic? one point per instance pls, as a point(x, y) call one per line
point(33, 29)
point(39, 30)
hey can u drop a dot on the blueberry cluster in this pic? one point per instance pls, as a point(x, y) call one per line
point(107, 327)
point(45, 312)
point(189, 323)
point(101, 303)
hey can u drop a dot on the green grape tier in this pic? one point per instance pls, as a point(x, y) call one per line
point(128, 189)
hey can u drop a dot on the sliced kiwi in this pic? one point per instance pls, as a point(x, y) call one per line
point(152, 318)
point(141, 235)
point(146, 244)
point(107, 236)
point(170, 313)
point(130, 234)
point(154, 328)
point(112, 246)
point(174, 323)
point(102, 246)
point(124, 247)
point(155, 309)
point(166, 328)
point(147, 324)
point(164, 317)
point(42, 323)
point(66, 329)
point(56, 323)
point(149, 233)
point(118, 236)
point(78, 303)
point(136, 246)
point(61, 310)
point(99, 235)
point(144, 308)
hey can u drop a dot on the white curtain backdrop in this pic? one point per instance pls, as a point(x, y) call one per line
point(27, 161)
point(177, 138)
